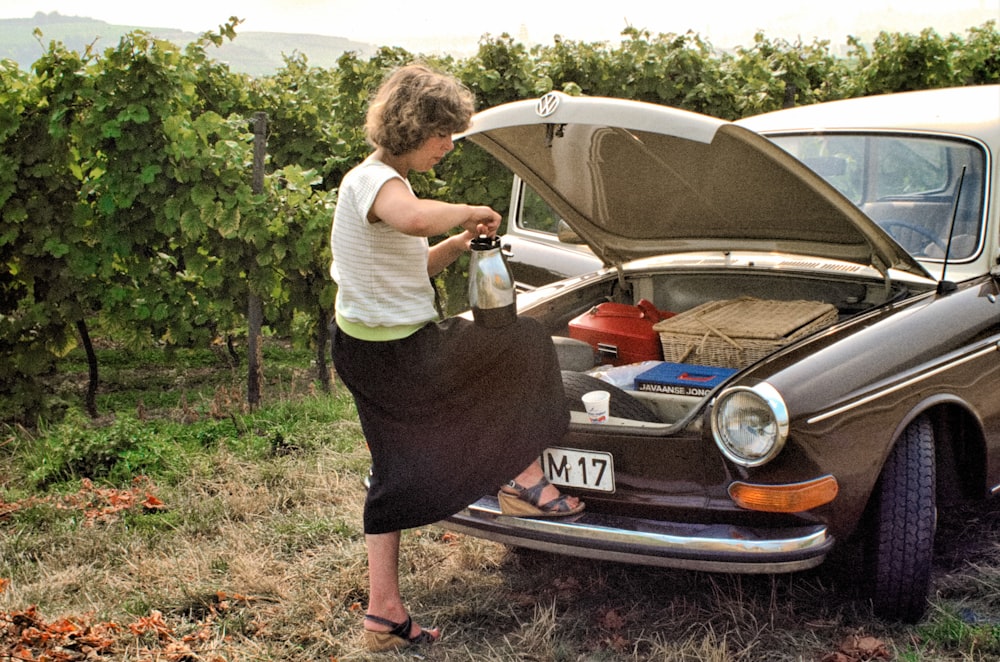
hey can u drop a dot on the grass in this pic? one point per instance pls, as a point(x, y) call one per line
point(244, 543)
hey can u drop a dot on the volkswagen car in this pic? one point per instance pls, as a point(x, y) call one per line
point(880, 214)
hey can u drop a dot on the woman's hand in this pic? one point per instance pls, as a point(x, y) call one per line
point(482, 220)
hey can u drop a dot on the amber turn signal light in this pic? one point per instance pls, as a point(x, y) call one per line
point(793, 498)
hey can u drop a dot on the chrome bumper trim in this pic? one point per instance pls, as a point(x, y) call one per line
point(708, 547)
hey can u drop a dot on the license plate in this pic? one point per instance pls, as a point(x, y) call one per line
point(588, 470)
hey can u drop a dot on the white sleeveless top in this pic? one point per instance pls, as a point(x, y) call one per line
point(381, 273)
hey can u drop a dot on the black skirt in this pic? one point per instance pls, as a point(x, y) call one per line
point(450, 414)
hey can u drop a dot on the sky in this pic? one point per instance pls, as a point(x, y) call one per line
point(451, 25)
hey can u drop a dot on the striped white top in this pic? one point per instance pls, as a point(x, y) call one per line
point(381, 273)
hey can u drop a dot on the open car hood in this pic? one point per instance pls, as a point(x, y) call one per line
point(636, 179)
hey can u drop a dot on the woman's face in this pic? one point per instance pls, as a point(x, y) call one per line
point(432, 151)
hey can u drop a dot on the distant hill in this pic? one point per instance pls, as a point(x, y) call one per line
point(255, 53)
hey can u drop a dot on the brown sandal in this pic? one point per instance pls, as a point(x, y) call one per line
point(520, 501)
point(397, 637)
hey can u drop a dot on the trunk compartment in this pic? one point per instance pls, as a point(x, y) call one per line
point(822, 299)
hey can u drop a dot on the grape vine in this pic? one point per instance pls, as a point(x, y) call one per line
point(126, 205)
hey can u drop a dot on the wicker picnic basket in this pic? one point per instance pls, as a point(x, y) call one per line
point(734, 333)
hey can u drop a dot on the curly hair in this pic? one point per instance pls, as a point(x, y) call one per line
point(413, 104)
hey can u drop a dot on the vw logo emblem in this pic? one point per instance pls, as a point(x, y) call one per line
point(547, 105)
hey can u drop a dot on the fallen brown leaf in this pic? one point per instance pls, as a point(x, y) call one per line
point(859, 648)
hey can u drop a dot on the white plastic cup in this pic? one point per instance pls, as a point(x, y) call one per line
point(597, 404)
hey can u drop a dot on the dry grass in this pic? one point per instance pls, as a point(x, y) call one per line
point(261, 557)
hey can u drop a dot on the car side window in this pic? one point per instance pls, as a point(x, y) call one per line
point(536, 214)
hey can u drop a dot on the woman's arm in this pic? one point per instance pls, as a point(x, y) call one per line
point(398, 207)
point(445, 252)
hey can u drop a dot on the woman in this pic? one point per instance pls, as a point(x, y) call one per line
point(450, 409)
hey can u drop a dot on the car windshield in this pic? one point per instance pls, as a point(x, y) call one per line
point(926, 192)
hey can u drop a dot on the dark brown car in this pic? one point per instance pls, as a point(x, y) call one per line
point(827, 282)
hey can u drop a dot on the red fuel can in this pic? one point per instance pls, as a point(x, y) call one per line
point(621, 333)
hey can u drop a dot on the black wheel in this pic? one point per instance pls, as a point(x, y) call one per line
point(623, 405)
point(901, 544)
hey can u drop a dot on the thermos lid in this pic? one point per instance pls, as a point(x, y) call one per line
point(484, 243)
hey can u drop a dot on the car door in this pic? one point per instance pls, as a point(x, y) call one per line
point(540, 248)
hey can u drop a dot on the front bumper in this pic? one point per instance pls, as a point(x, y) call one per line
point(708, 547)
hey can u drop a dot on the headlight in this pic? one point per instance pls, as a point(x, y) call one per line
point(750, 424)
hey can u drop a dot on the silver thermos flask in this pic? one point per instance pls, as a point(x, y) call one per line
point(491, 284)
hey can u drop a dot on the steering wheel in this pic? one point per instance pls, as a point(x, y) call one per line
point(923, 232)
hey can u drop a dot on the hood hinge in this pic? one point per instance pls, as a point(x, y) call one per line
point(622, 284)
point(883, 269)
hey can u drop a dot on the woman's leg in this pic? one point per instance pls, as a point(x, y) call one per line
point(384, 599)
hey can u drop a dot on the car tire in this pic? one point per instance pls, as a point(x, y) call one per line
point(901, 544)
point(622, 405)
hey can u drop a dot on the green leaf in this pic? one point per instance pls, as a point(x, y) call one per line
point(149, 173)
point(56, 248)
point(203, 195)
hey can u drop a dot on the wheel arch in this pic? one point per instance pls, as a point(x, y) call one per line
point(960, 449)
point(960, 445)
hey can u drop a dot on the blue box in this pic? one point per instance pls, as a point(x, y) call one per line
point(682, 379)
